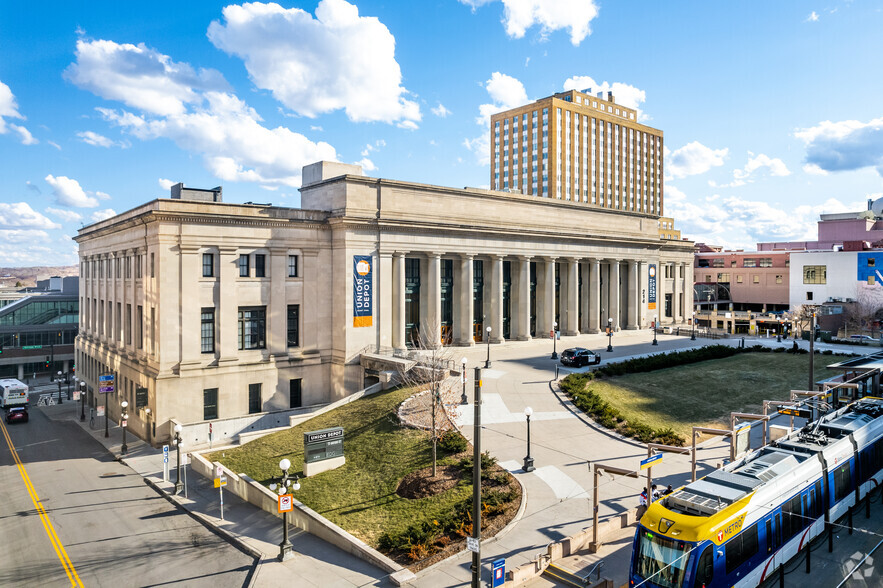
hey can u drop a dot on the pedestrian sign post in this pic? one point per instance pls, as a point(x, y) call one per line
point(651, 461)
point(286, 503)
point(165, 463)
point(220, 482)
point(498, 571)
point(105, 383)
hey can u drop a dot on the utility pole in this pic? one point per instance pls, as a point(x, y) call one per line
point(812, 338)
point(476, 483)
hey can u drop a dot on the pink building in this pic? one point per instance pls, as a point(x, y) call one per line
point(739, 280)
point(838, 230)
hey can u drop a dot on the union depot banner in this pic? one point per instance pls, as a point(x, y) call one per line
point(651, 287)
point(362, 291)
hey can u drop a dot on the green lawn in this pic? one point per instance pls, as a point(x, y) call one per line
point(704, 393)
point(360, 496)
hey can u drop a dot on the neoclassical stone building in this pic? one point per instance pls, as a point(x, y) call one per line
point(206, 310)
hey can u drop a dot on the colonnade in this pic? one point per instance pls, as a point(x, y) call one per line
point(523, 297)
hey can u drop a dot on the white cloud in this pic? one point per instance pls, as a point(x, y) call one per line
point(692, 159)
point(367, 164)
point(373, 147)
point(814, 170)
point(339, 60)
point(20, 214)
point(624, 94)
point(441, 111)
point(480, 146)
point(18, 237)
point(100, 215)
point(68, 192)
point(65, 215)
point(813, 17)
point(140, 77)
point(96, 140)
point(549, 15)
point(844, 146)
point(166, 184)
point(54, 144)
point(9, 109)
point(759, 162)
point(235, 146)
point(506, 92)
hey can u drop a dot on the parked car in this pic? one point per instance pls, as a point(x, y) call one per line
point(17, 414)
point(861, 338)
point(579, 356)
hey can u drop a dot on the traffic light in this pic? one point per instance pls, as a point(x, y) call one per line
point(47, 362)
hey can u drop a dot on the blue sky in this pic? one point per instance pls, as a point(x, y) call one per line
point(771, 110)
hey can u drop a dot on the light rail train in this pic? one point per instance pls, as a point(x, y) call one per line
point(739, 524)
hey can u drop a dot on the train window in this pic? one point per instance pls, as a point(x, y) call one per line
point(841, 482)
point(741, 548)
point(806, 507)
point(819, 502)
point(791, 519)
point(778, 530)
point(705, 572)
point(769, 535)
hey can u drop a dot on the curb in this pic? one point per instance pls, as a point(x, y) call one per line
point(224, 534)
point(556, 390)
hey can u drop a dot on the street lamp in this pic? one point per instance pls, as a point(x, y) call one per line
point(655, 328)
point(82, 400)
point(68, 380)
point(463, 399)
point(282, 489)
point(487, 362)
point(58, 381)
point(693, 328)
point(147, 416)
point(528, 460)
point(178, 441)
point(779, 333)
point(554, 340)
point(123, 418)
point(610, 334)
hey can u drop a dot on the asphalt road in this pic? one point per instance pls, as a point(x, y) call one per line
point(70, 515)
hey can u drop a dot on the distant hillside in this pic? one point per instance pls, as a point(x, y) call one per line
point(28, 276)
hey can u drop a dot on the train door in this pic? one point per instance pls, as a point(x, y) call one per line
point(705, 568)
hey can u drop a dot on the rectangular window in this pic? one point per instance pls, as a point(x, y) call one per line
point(207, 330)
point(870, 262)
point(778, 278)
point(209, 404)
point(292, 266)
point(252, 327)
point(815, 274)
point(295, 397)
point(152, 266)
point(749, 262)
point(260, 262)
point(139, 325)
point(870, 280)
point(254, 398)
point(723, 278)
point(842, 483)
point(741, 548)
point(128, 324)
point(738, 279)
point(293, 325)
point(208, 265)
point(809, 295)
point(243, 266)
point(756, 279)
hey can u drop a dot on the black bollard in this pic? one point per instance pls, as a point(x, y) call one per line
point(808, 552)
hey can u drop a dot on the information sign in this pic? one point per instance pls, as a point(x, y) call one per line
point(124, 423)
point(472, 544)
point(220, 481)
point(323, 444)
point(498, 573)
point(797, 412)
point(165, 463)
point(99, 410)
point(651, 461)
point(286, 503)
point(76, 395)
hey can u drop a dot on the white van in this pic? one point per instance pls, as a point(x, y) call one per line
point(13, 393)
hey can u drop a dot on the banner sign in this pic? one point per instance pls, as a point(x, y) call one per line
point(362, 291)
point(651, 461)
point(651, 295)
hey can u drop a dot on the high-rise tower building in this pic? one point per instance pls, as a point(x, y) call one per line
point(576, 146)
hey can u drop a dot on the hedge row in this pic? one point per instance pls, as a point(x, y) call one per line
point(667, 360)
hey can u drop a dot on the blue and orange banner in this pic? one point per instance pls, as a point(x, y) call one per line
point(363, 292)
point(651, 287)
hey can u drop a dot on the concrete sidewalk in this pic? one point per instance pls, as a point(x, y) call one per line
point(255, 532)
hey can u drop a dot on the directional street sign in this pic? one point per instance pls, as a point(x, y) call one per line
point(651, 461)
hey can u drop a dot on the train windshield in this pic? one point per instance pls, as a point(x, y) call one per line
point(660, 560)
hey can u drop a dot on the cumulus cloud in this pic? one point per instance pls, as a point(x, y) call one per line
point(813, 17)
point(68, 192)
point(100, 215)
point(228, 133)
point(549, 15)
point(758, 163)
point(140, 77)
point(166, 184)
point(692, 159)
point(506, 92)
point(21, 236)
point(440, 111)
point(480, 146)
point(65, 215)
point(19, 214)
point(339, 60)
point(844, 146)
point(624, 94)
point(814, 170)
point(9, 109)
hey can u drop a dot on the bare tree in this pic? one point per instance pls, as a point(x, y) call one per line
point(862, 314)
point(430, 374)
point(802, 316)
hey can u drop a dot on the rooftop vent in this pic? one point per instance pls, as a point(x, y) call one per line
point(179, 192)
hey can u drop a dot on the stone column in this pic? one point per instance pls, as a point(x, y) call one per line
point(643, 285)
point(594, 297)
point(189, 321)
point(689, 279)
point(520, 302)
point(465, 308)
point(586, 304)
point(571, 317)
point(310, 319)
point(546, 310)
point(277, 309)
point(632, 296)
point(398, 301)
point(496, 300)
point(615, 294)
point(383, 300)
point(432, 329)
point(605, 293)
point(660, 292)
point(227, 314)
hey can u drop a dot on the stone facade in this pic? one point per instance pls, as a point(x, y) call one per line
point(441, 258)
